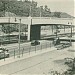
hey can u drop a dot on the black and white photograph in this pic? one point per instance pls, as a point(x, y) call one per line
point(37, 37)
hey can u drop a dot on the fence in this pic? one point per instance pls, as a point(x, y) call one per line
point(28, 49)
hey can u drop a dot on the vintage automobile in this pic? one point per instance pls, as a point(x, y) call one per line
point(63, 45)
point(3, 53)
point(35, 42)
point(66, 45)
point(59, 47)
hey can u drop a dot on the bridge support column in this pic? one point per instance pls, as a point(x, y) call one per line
point(29, 26)
point(35, 32)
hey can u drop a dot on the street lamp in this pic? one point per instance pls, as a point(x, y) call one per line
point(40, 12)
point(25, 32)
point(71, 35)
point(30, 12)
point(4, 8)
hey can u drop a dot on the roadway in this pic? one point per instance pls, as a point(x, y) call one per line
point(39, 64)
point(26, 47)
point(47, 37)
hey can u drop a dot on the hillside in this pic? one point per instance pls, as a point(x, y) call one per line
point(61, 15)
point(65, 15)
point(26, 8)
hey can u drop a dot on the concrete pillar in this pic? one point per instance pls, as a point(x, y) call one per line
point(29, 26)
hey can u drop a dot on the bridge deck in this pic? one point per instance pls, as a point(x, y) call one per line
point(37, 20)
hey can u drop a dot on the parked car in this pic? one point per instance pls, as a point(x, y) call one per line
point(35, 42)
point(63, 45)
point(3, 53)
point(66, 45)
point(59, 47)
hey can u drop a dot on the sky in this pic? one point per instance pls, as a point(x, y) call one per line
point(58, 5)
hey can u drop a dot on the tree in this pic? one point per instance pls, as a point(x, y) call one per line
point(8, 29)
point(22, 8)
point(46, 8)
point(57, 14)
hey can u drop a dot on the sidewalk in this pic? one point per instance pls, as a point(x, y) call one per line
point(26, 55)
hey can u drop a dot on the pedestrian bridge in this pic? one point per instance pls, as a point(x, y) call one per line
point(36, 20)
point(35, 23)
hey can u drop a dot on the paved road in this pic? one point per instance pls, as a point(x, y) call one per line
point(39, 64)
point(26, 47)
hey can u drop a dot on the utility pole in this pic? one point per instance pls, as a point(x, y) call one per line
point(19, 37)
point(40, 11)
point(30, 14)
point(30, 11)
